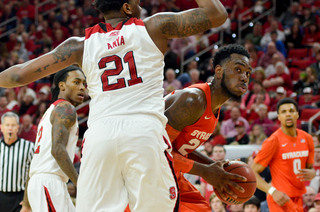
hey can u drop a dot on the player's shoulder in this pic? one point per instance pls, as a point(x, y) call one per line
point(63, 109)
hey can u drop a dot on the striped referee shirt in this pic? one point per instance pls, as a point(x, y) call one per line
point(15, 160)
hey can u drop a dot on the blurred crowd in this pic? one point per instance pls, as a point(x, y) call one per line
point(284, 50)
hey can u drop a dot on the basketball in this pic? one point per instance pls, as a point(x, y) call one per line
point(243, 169)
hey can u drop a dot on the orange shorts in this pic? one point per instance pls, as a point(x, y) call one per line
point(295, 204)
point(191, 198)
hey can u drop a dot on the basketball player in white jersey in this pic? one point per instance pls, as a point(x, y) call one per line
point(57, 136)
point(126, 151)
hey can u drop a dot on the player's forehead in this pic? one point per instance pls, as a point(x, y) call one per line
point(287, 106)
point(76, 74)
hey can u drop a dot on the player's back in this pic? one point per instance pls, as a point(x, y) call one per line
point(43, 161)
point(124, 71)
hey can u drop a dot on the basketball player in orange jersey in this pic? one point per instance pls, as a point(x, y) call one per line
point(289, 152)
point(192, 116)
point(126, 154)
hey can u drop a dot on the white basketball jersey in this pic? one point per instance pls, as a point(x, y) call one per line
point(43, 161)
point(124, 71)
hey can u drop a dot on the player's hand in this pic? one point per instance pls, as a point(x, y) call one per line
point(221, 180)
point(306, 174)
point(280, 198)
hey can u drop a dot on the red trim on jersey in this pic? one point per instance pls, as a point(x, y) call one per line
point(177, 206)
point(97, 28)
point(167, 142)
point(49, 201)
point(58, 101)
point(135, 21)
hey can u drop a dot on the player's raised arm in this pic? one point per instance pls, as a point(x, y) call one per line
point(67, 53)
point(164, 26)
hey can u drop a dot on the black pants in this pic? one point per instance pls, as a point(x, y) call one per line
point(10, 201)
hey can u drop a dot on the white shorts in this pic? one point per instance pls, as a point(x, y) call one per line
point(47, 192)
point(124, 161)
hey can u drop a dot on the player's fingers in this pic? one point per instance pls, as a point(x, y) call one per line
point(238, 187)
point(228, 191)
point(236, 177)
point(221, 193)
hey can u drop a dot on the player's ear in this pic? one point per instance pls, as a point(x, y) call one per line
point(62, 86)
point(126, 7)
point(218, 72)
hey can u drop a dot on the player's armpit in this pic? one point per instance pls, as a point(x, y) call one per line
point(181, 163)
point(173, 133)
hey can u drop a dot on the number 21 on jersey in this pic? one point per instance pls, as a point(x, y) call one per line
point(119, 64)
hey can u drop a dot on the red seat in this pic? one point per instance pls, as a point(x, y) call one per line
point(307, 113)
point(301, 64)
point(298, 53)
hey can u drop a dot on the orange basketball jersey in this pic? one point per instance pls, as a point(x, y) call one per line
point(285, 156)
point(191, 137)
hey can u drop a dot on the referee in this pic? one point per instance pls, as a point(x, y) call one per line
point(15, 158)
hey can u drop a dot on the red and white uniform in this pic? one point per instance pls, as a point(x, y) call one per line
point(124, 153)
point(47, 185)
point(190, 138)
point(285, 156)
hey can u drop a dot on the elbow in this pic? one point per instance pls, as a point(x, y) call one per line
point(220, 18)
point(54, 152)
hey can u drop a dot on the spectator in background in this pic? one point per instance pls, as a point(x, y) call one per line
point(171, 83)
point(280, 78)
point(252, 205)
point(36, 117)
point(3, 105)
point(257, 135)
point(235, 208)
point(308, 198)
point(279, 43)
point(219, 153)
point(44, 94)
point(316, 64)
point(28, 130)
point(241, 137)
point(216, 137)
point(266, 57)
point(288, 16)
point(263, 120)
point(28, 101)
point(194, 76)
point(252, 113)
point(305, 100)
point(13, 104)
point(249, 99)
point(281, 93)
point(274, 26)
point(271, 68)
point(312, 34)
point(294, 38)
point(185, 77)
point(316, 204)
point(228, 126)
point(216, 204)
point(256, 34)
point(14, 168)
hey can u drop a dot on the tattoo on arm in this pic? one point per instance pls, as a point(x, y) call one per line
point(183, 24)
point(62, 53)
point(63, 119)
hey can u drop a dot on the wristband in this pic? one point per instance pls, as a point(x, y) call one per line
point(271, 190)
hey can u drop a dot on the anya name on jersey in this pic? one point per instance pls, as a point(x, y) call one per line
point(118, 42)
point(297, 154)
